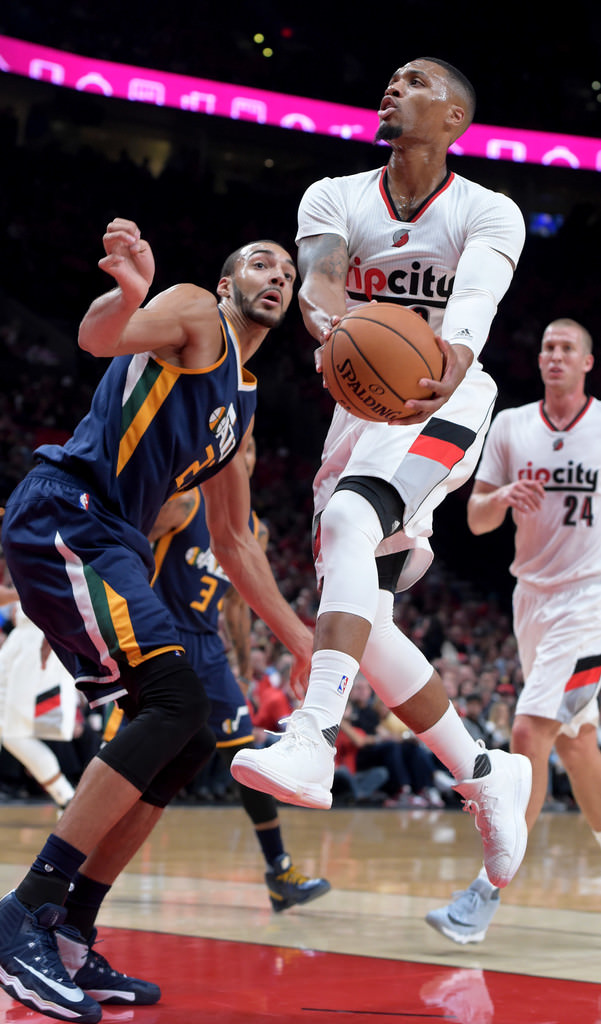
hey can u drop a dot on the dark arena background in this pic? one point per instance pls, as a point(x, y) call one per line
point(191, 910)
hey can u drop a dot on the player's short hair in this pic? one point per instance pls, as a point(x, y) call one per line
point(461, 83)
point(566, 321)
point(229, 265)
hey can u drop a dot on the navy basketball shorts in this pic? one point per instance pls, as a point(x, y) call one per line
point(230, 718)
point(83, 576)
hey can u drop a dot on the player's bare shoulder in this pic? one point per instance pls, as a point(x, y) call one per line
point(199, 338)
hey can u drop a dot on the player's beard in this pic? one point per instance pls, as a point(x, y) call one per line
point(388, 132)
point(264, 317)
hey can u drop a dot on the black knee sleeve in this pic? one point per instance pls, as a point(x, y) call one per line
point(381, 495)
point(181, 770)
point(167, 707)
point(260, 807)
point(389, 569)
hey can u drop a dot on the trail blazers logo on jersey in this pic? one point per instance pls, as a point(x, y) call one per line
point(400, 238)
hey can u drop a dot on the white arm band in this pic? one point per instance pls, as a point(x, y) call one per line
point(483, 276)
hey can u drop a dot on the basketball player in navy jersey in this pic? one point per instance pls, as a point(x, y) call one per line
point(170, 413)
point(415, 233)
point(194, 587)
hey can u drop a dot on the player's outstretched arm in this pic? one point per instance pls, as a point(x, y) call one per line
point(238, 621)
point(227, 505)
point(130, 262)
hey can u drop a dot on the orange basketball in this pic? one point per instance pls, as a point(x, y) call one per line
point(374, 358)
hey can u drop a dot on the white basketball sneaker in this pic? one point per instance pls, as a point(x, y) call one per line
point(297, 769)
point(497, 796)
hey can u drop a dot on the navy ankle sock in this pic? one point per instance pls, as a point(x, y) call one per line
point(270, 840)
point(50, 874)
point(83, 903)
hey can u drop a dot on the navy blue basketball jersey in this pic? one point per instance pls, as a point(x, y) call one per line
point(188, 578)
point(154, 429)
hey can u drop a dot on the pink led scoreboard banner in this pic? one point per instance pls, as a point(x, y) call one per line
point(239, 103)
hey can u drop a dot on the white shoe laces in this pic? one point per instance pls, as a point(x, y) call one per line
point(482, 812)
point(296, 735)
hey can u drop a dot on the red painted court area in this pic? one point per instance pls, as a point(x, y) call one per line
point(243, 983)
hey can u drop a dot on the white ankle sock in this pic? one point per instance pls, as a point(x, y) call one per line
point(452, 744)
point(330, 683)
point(61, 790)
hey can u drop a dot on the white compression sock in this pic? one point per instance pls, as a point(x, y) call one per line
point(332, 677)
point(394, 666)
point(43, 764)
point(452, 744)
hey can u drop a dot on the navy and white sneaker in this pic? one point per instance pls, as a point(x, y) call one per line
point(287, 887)
point(31, 970)
point(93, 973)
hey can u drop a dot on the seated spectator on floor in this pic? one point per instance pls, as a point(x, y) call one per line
point(268, 703)
point(499, 720)
point(488, 680)
point(352, 786)
point(474, 718)
point(381, 747)
point(420, 764)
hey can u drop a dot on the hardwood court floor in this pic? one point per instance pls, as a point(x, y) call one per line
point(192, 913)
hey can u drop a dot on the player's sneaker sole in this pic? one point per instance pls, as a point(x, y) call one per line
point(248, 771)
point(94, 975)
point(452, 930)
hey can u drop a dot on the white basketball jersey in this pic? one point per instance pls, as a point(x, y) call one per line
point(561, 543)
point(413, 261)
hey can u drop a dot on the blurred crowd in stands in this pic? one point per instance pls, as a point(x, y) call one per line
point(56, 195)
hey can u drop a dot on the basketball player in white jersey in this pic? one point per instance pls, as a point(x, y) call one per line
point(543, 461)
point(37, 702)
point(413, 233)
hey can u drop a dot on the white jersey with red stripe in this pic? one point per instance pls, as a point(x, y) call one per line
point(557, 601)
point(561, 544)
point(413, 262)
point(37, 695)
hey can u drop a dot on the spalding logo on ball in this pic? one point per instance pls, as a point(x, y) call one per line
point(376, 356)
